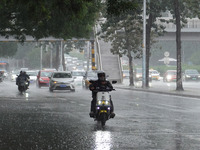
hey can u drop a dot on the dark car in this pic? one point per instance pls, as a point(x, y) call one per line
point(191, 75)
point(43, 78)
point(89, 75)
point(169, 76)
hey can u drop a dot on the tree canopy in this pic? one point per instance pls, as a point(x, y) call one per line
point(44, 18)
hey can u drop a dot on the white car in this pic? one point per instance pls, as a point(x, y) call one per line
point(61, 80)
point(78, 77)
point(155, 74)
point(14, 75)
point(33, 75)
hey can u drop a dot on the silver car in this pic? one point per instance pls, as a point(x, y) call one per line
point(61, 80)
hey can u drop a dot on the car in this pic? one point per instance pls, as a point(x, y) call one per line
point(191, 75)
point(125, 73)
point(71, 67)
point(169, 76)
point(89, 75)
point(61, 80)
point(137, 75)
point(14, 75)
point(43, 78)
point(5, 73)
point(33, 75)
point(154, 74)
point(53, 69)
point(78, 77)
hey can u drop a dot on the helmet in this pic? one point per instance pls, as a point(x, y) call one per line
point(101, 75)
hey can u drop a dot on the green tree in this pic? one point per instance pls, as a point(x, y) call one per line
point(180, 10)
point(154, 10)
point(44, 18)
point(125, 33)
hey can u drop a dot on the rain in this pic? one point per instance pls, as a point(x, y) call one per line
point(49, 63)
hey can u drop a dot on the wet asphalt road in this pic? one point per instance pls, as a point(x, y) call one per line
point(40, 120)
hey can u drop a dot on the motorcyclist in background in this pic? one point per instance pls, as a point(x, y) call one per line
point(1, 76)
point(23, 75)
point(101, 83)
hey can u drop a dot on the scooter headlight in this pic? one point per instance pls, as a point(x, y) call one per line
point(99, 102)
point(107, 102)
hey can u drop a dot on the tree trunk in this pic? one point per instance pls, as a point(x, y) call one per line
point(179, 86)
point(148, 37)
point(130, 58)
point(57, 57)
point(63, 60)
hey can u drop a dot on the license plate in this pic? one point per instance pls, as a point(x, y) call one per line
point(63, 85)
point(194, 78)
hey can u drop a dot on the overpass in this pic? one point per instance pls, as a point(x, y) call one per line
point(190, 31)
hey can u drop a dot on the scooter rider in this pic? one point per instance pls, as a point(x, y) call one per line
point(102, 84)
point(23, 75)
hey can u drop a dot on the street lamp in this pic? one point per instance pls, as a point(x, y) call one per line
point(41, 47)
point(61, 55)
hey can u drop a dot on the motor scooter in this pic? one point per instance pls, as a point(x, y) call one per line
point(22, 84)
point(104, 105)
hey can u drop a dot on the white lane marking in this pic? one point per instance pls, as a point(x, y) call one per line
point(82, 105)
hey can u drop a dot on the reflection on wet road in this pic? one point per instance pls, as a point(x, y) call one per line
point(60, 120)
point(103, 140)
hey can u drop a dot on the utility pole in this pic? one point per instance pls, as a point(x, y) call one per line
point(88, 56)
point(41, 56)
point(93, 55)
point(51, 55)
point(144, 46)
point(61, 53)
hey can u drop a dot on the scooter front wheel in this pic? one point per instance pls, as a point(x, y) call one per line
point(103, 119)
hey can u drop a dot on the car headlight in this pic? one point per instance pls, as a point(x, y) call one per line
point(54, 82)
point(187, 76)
point(137, 76)
point(169, 77)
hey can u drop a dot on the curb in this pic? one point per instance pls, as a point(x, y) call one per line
point(160, 92)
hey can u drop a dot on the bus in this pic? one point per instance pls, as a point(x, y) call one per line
point(4, 68)
point(4, 65)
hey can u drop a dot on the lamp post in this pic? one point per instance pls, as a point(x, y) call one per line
point(41, 56)
point(61, 55)
point(144, 46)
point(51, 56)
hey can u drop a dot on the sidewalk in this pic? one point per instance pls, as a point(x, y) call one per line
point(169, 90)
